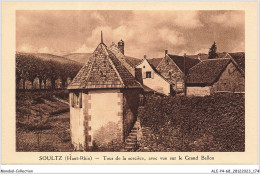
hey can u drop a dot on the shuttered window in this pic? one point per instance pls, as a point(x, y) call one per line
point(148, 74)
point(76, 100)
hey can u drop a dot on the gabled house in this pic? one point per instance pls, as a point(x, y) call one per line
point(174, 68)
point(152, 79)
point(104, 98)
point(215, 75)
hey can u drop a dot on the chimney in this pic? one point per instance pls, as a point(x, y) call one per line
point(144, 56)
point(121, 46)
point(138, 75)
point(166, 52)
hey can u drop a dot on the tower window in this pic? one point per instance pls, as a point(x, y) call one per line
point(76, 100)
point(143, 66)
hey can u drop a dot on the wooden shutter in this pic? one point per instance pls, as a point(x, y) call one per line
point(80, 99)
point(152, 74)
point(72, 99)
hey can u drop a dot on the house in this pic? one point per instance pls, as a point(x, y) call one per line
point(216, 75)
point(239, 60)
point(174, 68)
point(152, 80)
point(104, 98)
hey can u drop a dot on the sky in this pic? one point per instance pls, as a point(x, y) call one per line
point(144, 32)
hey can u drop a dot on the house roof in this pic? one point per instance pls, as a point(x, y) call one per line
point(207, 72)
point(103, 70)
point(121, 57)
point(155, 61)
point(239, 59)
point(179, 61)
point(155, 70)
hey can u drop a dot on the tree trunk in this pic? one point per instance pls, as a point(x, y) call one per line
point(44, 82)
point(23, 83)
point(64, 83)
point(32, 83)
point(40, 83)
point(53, 83)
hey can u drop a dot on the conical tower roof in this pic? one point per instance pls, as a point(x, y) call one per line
point(103, 70)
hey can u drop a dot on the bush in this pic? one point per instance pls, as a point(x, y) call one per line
point(211, 123)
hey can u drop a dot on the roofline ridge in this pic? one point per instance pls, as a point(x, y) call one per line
point(221, 58)
point(236, 63)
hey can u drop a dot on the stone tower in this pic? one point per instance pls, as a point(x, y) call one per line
point(121, 46)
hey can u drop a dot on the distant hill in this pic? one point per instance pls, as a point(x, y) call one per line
point(79, 57)
point(83, 58)
point(46, 56)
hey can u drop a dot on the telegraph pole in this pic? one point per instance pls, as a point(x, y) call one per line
point(184, 71)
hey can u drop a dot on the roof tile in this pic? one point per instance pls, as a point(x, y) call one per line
point(104, 70)
point(207, 72)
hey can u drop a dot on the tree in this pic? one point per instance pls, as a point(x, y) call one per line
point(22, 65)
point(74, 70)
point(65, 72)
point(42, 73)
point(213, 51)
point(53, 71)
point(32, 68)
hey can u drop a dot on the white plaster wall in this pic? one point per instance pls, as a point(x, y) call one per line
point(77, 126)
point(105, 108)
point(156, 83)
point(198, 91)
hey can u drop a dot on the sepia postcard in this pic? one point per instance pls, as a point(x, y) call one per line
point(129, 83)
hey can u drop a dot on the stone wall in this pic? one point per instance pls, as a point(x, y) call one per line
point(198, 91)
point(106, 113)
point(130, 108)
point(106, 117)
